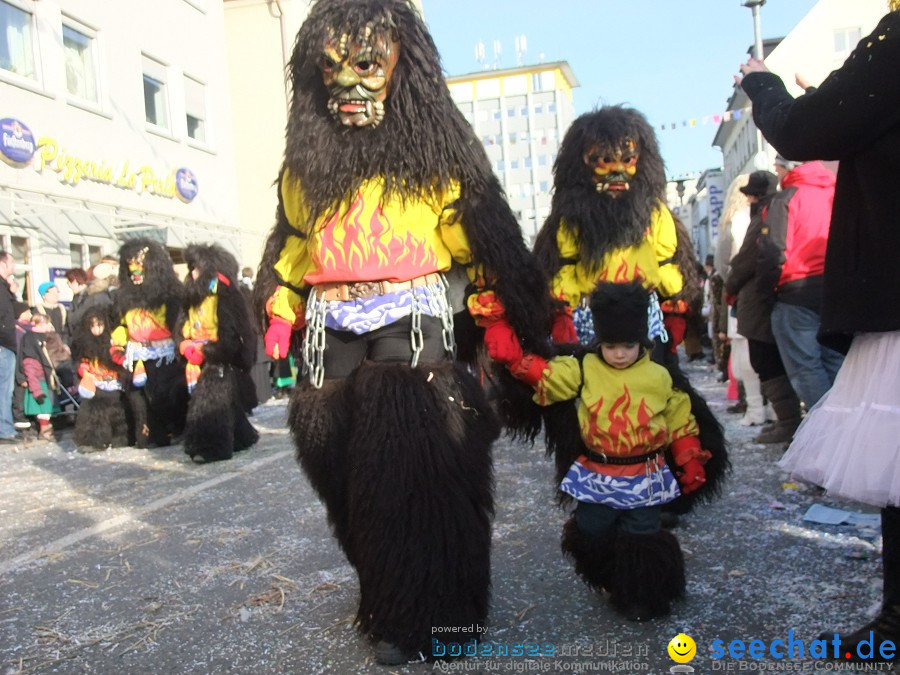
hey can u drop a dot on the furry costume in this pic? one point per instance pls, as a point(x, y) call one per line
point(384, 186)
point(102, 419)
point(149, 300)
point(609, 222)
point(220, 347)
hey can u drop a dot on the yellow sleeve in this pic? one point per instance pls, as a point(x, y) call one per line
point(680, 423)
point(561, 381)
point(573, 280)
point(294, 261)
point(665, 243)
point(119, 336)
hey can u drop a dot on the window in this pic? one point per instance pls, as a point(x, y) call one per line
point(16, 41)
point(536, 82)
point(195, 108)
point(523, 111)
point(528, 162)
point(845, 39)
point(156, 101)
point(542, 159)
point(551, 107)
point(513, 164)
point(512, 137)
point(81, 68)
point(94, 254)
point(544, 187)
point(511, 112)
point(76, 255)
point(496, 114)
point(538, 108)
point(501, 165)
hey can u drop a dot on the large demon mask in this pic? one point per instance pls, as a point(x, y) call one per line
point(357, 72)
point(147, 276)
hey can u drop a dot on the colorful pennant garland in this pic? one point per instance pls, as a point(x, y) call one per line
point(727, 116)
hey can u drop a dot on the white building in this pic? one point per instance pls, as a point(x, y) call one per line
point(520, 114)
point(115, 123)
point(817, 45)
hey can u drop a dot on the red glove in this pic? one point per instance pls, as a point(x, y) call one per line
point(563, 329)
point(692, 476)
point(675, 326)
point(502, 343)
point(193, 354)
point(730, 299)
point(278, 338)
point(117, 354)
point(529, 369)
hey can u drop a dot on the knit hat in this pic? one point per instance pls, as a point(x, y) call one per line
point(620, 312)
point(44, 287)
point(760, 184)
point(782, 161)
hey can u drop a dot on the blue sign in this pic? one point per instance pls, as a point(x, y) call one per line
point(186, 184)
point(17, 143)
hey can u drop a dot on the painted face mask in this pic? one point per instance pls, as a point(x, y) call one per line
point(893, 5)
point(136, 267)
point(612, 167)
point(357, 73)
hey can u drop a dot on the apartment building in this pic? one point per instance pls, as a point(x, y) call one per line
point(115, 124)
point(520, 114)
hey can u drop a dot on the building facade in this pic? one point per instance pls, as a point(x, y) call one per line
point(520, 114)
point(817, 45)
point(115, 124)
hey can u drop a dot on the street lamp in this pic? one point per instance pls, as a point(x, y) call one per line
point(754, 6)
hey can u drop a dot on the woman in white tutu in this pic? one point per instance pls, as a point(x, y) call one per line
point(850, 441)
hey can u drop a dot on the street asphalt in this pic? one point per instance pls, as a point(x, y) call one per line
point(139, 561)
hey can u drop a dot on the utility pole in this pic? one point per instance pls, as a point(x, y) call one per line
point(762, 155)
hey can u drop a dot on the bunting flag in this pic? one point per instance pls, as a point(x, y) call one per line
point(704, 120)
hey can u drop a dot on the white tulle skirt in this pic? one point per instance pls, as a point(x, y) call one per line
point(849, 443)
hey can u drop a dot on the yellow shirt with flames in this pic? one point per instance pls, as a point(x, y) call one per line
point(366, 238)
point(651, 261)
point(623, 412)
point(202, 322)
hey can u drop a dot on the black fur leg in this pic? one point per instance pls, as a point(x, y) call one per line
point(319, 420)
point(101, 422)
point(648, 576)
point(593, 557)
point(138, 405)
point(209, 432)
point(420, 493)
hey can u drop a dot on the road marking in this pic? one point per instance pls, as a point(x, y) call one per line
point(135, 514)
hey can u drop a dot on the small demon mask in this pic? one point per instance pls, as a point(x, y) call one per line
point(612, 167)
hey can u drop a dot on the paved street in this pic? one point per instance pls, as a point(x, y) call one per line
point(138, 561)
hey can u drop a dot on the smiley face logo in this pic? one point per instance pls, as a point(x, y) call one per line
point(682, 648)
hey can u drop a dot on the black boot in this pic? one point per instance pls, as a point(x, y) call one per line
point(885, 626)
point(781, 395)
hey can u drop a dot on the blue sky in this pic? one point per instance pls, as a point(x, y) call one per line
point(673, 60)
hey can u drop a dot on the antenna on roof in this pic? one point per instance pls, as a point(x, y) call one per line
point(521, 48)
point(479, 53)
point(498, 53)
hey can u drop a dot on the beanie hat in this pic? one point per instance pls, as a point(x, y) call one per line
point(44, 287)
point(620, 312)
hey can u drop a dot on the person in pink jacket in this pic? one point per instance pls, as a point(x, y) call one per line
point(791, 267)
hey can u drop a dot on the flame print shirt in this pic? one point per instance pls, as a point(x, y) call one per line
point(366, 238)
point(623, 412)
point(650, 261)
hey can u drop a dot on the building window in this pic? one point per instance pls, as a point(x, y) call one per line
point(528, 162)
point(496, 114)
point(195, 108)
point(501, 165)
point(95, 254)
point(156, 100)
point(16, 41)
point(513, 164)
point(543, 187)
point(511, 112)
point(523, 111)
point(76, 256)
point(542, 159)
point(845, 39)
point(512, 137)
point(538, 108)
point(536, 82)
point(81, 63)
point(551, 107)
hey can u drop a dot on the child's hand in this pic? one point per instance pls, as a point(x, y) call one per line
point(692, 476)
point(40, 399)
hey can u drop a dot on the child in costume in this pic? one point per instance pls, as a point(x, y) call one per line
point(219, 344)
point(629, 416)
point(39, 354)
point(102, 419)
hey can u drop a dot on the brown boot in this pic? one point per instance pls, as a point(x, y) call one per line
point(46, 434)
point(781, 395)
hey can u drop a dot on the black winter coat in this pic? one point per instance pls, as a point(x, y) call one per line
point(754, 307)
point(7, 316)
point(853, 117)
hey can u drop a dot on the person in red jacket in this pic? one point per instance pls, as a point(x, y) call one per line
point(791, 265)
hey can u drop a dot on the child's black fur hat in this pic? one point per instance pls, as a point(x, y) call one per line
point(620, 312)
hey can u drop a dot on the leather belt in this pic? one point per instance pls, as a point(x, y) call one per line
point(362, 290)
point(600, 458)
